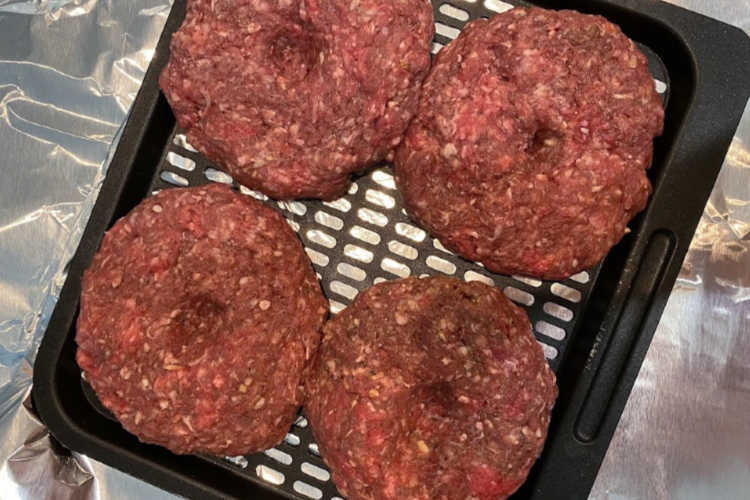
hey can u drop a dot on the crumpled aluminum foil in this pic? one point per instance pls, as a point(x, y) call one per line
point(69, 70)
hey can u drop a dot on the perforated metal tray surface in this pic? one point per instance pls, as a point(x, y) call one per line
point(361, 239)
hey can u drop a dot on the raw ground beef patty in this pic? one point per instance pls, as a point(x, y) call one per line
point(198, 316)
point(529, 149)
point(430, 389)
point(292, 96)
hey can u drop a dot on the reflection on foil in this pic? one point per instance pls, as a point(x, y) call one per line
point(40, 468)
point(69, 71)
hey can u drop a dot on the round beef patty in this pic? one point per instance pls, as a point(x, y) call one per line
point(198, 316)
point(292, 96)
point(430, 389)
point(530, 146)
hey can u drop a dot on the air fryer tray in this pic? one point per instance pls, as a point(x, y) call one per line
point(594, 327)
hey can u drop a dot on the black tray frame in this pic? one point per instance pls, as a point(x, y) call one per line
point(708, 66)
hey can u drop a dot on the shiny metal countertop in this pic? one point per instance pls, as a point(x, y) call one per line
point(69, 70)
